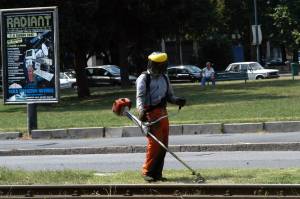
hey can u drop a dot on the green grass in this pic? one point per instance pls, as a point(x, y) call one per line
point(256, 101)
point(213, 176)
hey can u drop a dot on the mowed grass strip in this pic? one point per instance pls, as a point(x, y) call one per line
point(256, 101)
point(213, 176)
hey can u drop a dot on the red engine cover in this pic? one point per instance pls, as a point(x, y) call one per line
point(119, 104)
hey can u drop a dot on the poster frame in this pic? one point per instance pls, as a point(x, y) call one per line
point(11, 12)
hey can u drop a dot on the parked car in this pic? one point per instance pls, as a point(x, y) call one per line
point(253, 69)
point(184, 73)
point(274, 62)
point(67, 80)
point(105, 75)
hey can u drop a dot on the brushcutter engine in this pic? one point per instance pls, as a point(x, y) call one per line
point(121, 106)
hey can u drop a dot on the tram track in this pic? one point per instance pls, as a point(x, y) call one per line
point(141, 191)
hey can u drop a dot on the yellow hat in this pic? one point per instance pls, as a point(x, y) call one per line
point(158, 57)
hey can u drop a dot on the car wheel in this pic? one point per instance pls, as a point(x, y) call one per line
point(259, 77)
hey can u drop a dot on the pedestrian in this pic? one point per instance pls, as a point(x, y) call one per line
point(208, 74)
point(153, 91)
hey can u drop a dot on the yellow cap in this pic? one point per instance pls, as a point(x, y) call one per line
point(158, 57)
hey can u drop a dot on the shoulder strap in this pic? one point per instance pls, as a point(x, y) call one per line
point(148, 81)
point(167, 82)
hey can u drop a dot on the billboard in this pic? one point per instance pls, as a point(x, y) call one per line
point(29, 39)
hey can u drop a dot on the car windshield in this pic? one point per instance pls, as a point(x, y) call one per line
point(113, 70)
point(194, 69)
point(71, 75)
point(255, 66)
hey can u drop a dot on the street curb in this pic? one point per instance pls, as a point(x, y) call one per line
point(9, 135)
point(185, 129)
point(70, 133)
point(283, 126)
point(195, 129)
point(243, 128)
point(280, 146)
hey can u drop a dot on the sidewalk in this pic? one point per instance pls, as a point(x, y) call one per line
point(285, 141)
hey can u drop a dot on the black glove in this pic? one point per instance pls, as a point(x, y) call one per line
point(142, 116)
point(180, 101)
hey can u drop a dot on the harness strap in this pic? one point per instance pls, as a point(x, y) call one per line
point(163, 102)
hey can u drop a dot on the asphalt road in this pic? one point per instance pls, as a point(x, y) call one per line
point(174, 140)
point(121, 162)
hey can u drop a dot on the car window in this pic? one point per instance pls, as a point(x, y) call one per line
point(172, 71)
point(256, 66)
point(71, 75)
point(194, 69)
point(113, 70)
point(96, 71)
point(235, 68)
point(90, 72)
point(244, 67)
point(182, 71)
point(61, 76)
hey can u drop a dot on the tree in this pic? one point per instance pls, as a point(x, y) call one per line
point(286, 28)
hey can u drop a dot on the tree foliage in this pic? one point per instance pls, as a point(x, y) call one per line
point(125, 32)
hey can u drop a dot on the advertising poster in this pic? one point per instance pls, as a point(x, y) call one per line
point(29, 55)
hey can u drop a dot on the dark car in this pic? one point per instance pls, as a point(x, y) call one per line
point(105, 75)
point(274, 62)
point(184, 73)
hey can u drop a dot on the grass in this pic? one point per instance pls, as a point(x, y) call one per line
point(213, 176)
point(256, 101)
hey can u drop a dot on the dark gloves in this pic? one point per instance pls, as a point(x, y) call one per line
point(142, 115)
point(180, 101)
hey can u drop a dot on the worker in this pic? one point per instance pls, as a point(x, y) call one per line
point(153, 91)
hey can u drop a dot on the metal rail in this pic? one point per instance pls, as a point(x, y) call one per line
point(151, 191)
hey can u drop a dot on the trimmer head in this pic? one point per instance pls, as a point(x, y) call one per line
point(120, 105)
point(199, 179)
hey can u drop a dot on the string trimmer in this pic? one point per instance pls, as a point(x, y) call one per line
point(122, 106)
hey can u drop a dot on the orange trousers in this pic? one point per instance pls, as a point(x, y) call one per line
point(155, 154)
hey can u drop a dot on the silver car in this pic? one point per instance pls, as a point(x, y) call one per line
point(253, 69)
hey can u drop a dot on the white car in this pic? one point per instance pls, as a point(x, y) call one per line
point(67, 80)
point(253, 69)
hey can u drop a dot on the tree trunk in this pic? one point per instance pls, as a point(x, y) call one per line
point(295, 55)
point(123, 54)
point(82, 85)
point(119, 54)
point(283, 53)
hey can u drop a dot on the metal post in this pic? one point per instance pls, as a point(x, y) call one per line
point(256, 31)
point(31, 117)
point(180, 52)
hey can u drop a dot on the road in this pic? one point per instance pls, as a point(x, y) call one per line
point(174, 140)
point(121, 162)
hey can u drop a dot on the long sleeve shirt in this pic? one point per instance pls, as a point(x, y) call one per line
point(158, 91)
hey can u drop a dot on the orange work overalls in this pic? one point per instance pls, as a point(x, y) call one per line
point(155, 154)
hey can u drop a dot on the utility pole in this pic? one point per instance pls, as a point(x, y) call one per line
point(256, 31)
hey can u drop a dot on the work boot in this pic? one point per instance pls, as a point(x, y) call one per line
point(149, 178)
